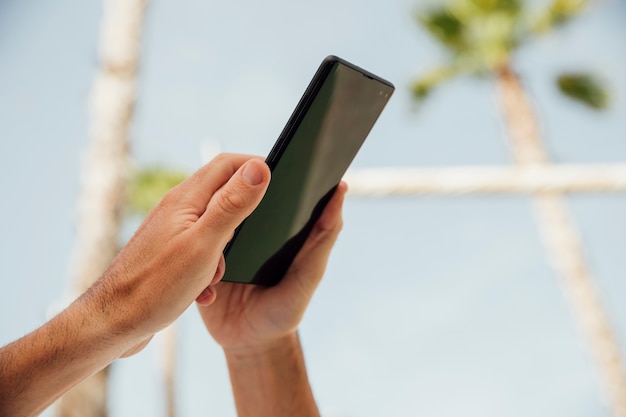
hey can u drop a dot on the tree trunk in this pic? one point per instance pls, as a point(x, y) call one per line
point(105, 173)
point(169, 368)
point(562, 241)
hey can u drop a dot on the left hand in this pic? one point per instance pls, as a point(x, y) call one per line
point(252, 317)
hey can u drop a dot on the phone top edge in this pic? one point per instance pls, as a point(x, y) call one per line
point(335, 58)
point(309, 94)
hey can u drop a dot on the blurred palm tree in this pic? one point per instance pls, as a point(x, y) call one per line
point(105, 174)
point(481, 37)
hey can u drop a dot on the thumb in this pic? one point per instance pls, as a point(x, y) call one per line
point(236, 199)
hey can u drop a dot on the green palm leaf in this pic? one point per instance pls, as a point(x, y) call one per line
point(491, 6)
point(558, 13)
point(480, 34)
point(148, 186)
point(584, 88)
point(423, 86)
point(443, 26)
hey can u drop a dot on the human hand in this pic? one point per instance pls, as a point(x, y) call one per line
point(249, 317)
point(173, 257)
point(176, 254)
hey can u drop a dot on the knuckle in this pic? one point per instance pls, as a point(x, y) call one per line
point(220, 158)
point(231, 201)
point(171, 197)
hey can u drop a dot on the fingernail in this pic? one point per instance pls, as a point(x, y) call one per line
point(251, 174)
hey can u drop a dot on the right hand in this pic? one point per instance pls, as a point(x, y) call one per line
point(249, 318)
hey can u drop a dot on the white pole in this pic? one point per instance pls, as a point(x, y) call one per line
point(565, 178)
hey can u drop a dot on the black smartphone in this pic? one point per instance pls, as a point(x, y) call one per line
point(311, 155)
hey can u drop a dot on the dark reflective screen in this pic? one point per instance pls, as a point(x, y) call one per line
point(337, 116)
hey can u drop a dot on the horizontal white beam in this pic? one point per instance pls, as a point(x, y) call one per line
point(561, 178)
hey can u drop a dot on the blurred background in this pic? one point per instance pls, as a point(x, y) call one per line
point(431, 305)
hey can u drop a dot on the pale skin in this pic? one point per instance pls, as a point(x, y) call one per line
point(174, 259)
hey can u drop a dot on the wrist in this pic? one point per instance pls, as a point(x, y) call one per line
point(270, 379)
point(261, 352)
point(38, 368)
point(111, 318)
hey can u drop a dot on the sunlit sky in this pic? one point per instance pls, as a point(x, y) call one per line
point(434, 306)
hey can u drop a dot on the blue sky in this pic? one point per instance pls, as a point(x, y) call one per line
point(431, 305)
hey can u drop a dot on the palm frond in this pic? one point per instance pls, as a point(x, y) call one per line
point(480, 33)
point(512, 7)
point(423, 86)
point(148, 186)
point(443, 26)
point(585, 88)
point(558, 13)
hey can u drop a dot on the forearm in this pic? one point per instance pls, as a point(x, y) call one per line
point(271, 381)
point(38, 368)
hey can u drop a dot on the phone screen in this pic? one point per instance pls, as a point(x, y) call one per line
point(314, 151)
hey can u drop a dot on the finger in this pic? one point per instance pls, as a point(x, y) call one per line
point(235, 200)
point(309, 265)
point(207, 297)
point(200, 187)
point(331, 216)
point(219, 273)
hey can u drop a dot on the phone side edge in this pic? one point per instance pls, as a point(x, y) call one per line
point(298, 113)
